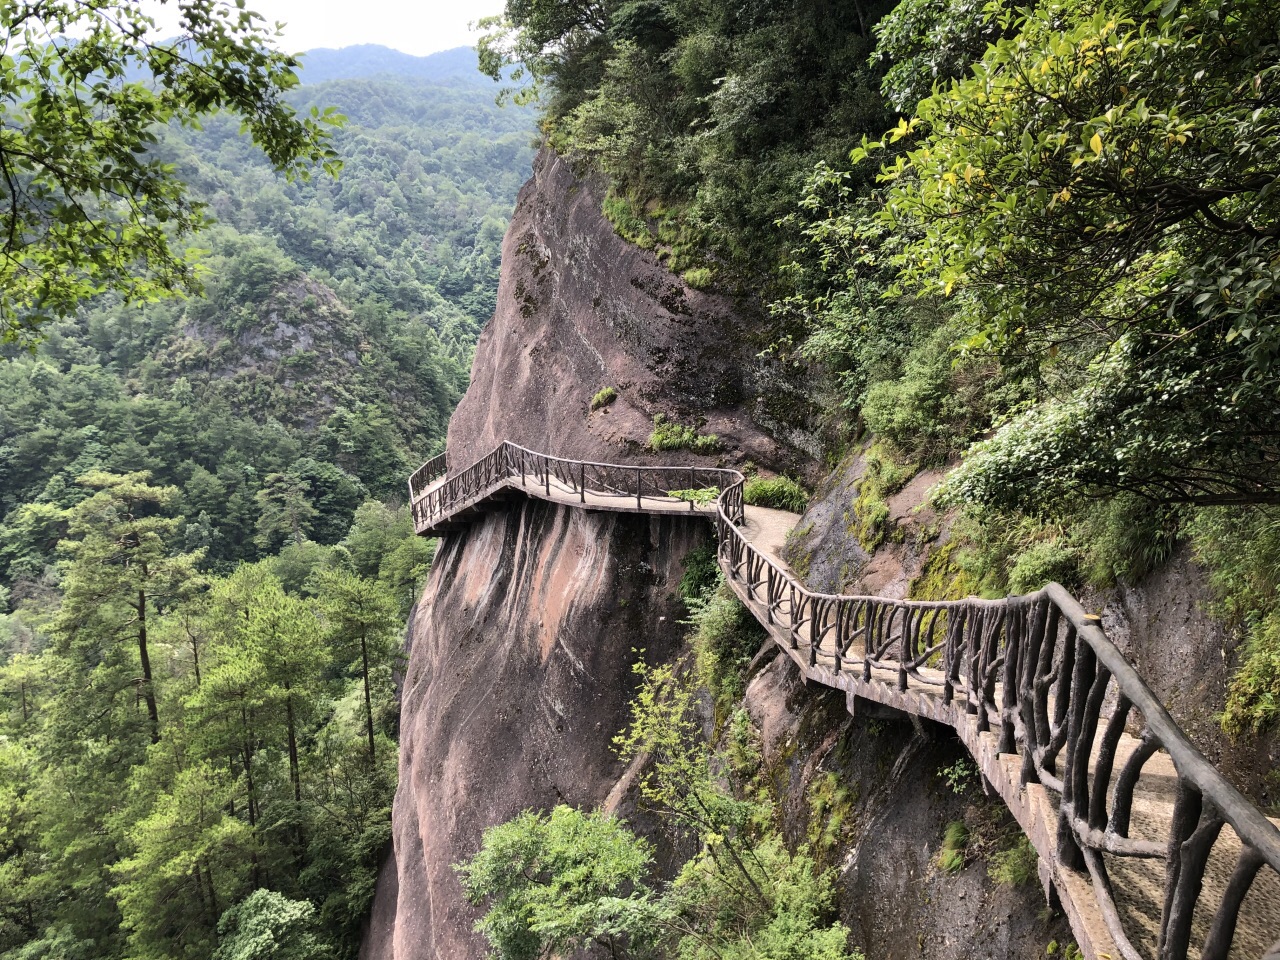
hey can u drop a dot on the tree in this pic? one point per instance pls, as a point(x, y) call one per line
point(286, 514)
point(88, 207)
point(187, 851)
point(557, 882)
point(1101, 195)
point(283, 634)
point(122, 568)
point(362, 618)
point(269, 926)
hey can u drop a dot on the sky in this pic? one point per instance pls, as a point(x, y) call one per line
point(418, 27)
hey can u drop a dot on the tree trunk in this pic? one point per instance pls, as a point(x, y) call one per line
point(148, 691)
point(253, 810)
point(293, 747)
point(368, 702)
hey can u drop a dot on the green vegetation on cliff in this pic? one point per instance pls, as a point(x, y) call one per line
point(1033, 245)
point(559, 882)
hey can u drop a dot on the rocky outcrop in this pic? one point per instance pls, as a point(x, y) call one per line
point(893, 810)
point(519, 676)
point(580, 309)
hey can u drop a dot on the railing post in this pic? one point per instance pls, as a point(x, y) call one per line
point(582, 482)
point(904, 646)
point(637, 488)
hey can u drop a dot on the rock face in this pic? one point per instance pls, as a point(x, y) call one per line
point(520, 654)
point(519, 675)
point(580, 309)
point(893, 896)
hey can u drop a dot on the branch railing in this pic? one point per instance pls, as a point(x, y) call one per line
point(1040, 674)
point(1036, 671)
point(434, 497)
point(427, 474)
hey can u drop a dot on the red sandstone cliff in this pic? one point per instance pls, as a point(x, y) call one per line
point(520, 653)
point(580, 309)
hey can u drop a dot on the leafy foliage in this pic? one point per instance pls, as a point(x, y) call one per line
point(556, 882)
point(1014, 866)
point(1098, 196)
point(269, 926)
point(780, 493)
point(670, 435)
point(90, 208)
point(951, 858)
point(705, 116)
point(1242, 553)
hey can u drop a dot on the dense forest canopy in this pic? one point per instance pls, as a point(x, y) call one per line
point(89, 208)
point(205, 560)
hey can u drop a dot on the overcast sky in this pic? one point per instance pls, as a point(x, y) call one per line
point(412, 26)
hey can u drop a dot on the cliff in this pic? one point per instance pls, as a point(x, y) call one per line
point(580, 309)
point(520, 653)
point(519, 675)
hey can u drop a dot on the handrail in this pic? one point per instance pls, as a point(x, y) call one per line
point(1036, 671)
point(427, 474)
point(431, 501)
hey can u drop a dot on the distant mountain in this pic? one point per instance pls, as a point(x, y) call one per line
point(458, 65)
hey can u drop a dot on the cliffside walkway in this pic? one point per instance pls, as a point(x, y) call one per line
point(1152, 853)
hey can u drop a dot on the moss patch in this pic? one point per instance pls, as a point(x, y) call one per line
point(669, 435)
point(881, 478)
point(943, 578)
point(831, 806)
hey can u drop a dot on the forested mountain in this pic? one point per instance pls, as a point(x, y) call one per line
point(448, 67)
point(205, 563)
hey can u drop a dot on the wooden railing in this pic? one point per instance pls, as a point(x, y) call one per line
point(427, 474)
point(573, 478)
point(1036, 671)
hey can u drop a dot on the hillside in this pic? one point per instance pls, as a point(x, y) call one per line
point(368, 60)
point(205, 560)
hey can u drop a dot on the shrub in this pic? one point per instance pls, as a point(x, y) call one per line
point(954, 842)
point(700, 495)
point(605, 397)
point(1043, 562)
point(725, 638)
point(1016, 866)
point(669, 435)
point(701, 574)
point(960, 776)
point(780, 493)
point(699, 277)
point(1253, 699)
point(1126, 537)
point(881, 477)
point(1241, 549)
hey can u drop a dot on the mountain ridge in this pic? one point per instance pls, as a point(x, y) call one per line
point(456, 66)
